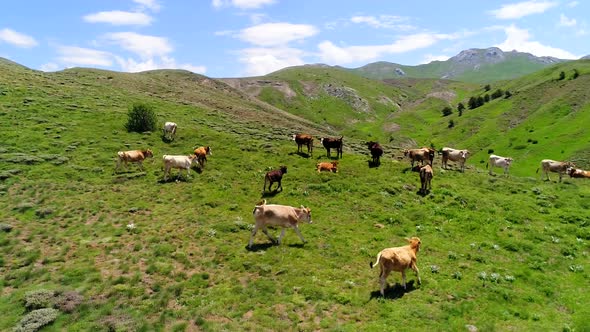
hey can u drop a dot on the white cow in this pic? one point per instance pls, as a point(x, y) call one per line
point(180, 162)
point(278, 215)
point(559, 167)
point(497, 161)
point(454, 155)
point(169, 130)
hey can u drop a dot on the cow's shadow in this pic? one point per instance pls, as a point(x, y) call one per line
point(260, 246)
point(273, 193)
point(166, 139)
point(174, 178)
point(395, 292)
point(301, 154)
point(373, 164)
point(423, 193)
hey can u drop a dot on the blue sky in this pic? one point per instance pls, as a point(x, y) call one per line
point(236, 38)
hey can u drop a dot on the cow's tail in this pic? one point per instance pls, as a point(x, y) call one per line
point(537, 171)
point(259, 206)
point(371, 264)
point(487, 165)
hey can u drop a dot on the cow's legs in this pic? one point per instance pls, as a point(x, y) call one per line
point(252, 236)
point(415, 268)
point(383, 281)
point(265, 231)
point(281, 236)
point(404, 279)
point(298, 233)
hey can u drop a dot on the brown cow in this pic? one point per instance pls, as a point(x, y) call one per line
point(274, 176)
point(202, 153)
point(332, 143)
point(304, 139)
point(578, 173)
point(327, 166)
point(376, 152)
point(398, 259)
point(422, 155)
point(426, 175)
point(133, 156)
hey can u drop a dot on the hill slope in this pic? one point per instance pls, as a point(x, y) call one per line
point(128, 251)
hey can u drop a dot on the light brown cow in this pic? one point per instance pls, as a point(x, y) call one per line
point(454, 155)
point(327, 166)
point(559, 167)
point(133, 156)
point(578, 173)
point(278, 215)
point(398, 259)
point(426, 175)
point(304, 139)
point(202, 153)
point(422, 155)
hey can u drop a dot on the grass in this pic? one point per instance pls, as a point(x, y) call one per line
point(499, 253)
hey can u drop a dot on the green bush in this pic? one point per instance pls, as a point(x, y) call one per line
point(38, 299)
point(36, 319)
point(141, 118)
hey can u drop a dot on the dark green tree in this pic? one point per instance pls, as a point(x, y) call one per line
point(507, 94)
point(576, 74)
point(451, 124)
point(487, 87)
point(460, 108)
point(472, 103)
point(141, 118)
point(447, 111)
point(497, 94)
point(480, 101)
point(486, 98)
point(561, 75)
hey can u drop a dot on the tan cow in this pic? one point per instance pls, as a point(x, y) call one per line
point(454, 155)
point(421, 155)
point(578, 173)
point(202, 153)
point(497, 161)
point(180, 162)
point(559, 167)
point(278, 215)
point(133, 156)
point(398, 259)
point(426, 175)
point(327, 166)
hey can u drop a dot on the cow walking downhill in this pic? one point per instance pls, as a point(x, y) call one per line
point(398, 259)
point(274, 176)
point(169, 130)
point(133, 156)
point(281, 216)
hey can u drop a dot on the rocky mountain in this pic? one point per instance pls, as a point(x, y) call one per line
point(472, 65)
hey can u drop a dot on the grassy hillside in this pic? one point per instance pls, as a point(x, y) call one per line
point(499, 253)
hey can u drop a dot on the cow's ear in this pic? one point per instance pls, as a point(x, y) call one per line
point(303, 207)
point(407, 239)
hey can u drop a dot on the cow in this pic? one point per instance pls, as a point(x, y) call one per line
point(202, 153)
point(376, 151)
point(274, 176)
point(454, 155)
point(422, 155)
point(398, 259)
point(133, 156)
point(559, 167)
point(180, 162)
point(497, 161)
point(278, 215)
point(304, 139)
point(578, 173)
point(169, 130)
point(332, 143)
point(327, 166)
point(426, 175)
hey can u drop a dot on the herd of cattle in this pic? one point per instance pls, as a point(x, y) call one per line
point(389, 259)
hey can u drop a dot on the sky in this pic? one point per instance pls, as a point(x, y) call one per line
point(240, 38)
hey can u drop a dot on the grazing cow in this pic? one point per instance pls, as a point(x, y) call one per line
point(578, 173)
point(422, 155)
point(426, 175)
point(559, 167)
point(497, 161)
point(332, 143)
point(456, 156)
point(304, 139)
point(398, 259)
point(274, 176)
point(278, 215)
point(202, 153)
point(133, 156)
point(169, 130)
point(376, 151)
point(180, 162)
point(327, 166)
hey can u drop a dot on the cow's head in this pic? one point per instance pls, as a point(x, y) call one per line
point(414, 242)
point(294, 137)
point(305, 215)
point(509, 161)
point(149, 153)
point(465, 154)
point(370, 144)
point(283, 169)
point(208, 149)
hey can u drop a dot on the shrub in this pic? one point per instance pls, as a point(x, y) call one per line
point(38, 299)
point(68, 301)
point(447, 111)
point(141, 118)
point(36, 319)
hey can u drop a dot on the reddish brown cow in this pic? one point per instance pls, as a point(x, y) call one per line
point(327, 166)
point(332, 143)
point(578, 173)
point(376, 151)
point(133, 156)
point(274, 176)
point(422, 155)
point(304, 139)
point(202, 153)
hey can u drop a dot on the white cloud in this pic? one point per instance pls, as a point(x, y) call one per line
point(153, 5)
point(428, 58)
point(50, 66)
point(273, 34)
point(519, 39)
point(17, 39)
point(333, 54)
point(384, 21)
point(261, 61)
point(564, 21)
point(77, 56)
point(521, 9)
point(242, 4)
point(131, 65)
point(573, 4)
point(143, 45)
point(117, 17)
